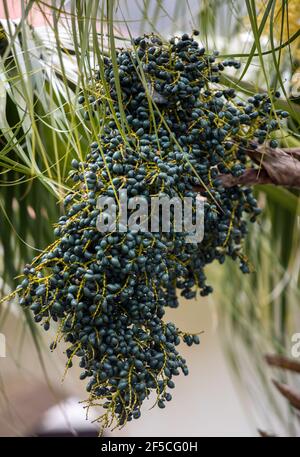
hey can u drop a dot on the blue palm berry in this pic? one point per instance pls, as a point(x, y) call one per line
point(161, 404)
point(274, 144)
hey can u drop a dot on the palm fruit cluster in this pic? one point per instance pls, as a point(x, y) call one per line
point(108, 291)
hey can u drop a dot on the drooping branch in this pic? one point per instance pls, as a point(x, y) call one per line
point(293, 397)
point(280, 167)
point(280, 361)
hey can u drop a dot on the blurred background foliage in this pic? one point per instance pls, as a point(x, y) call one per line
point(48, 52)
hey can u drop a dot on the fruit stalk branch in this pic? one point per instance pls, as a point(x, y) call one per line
point(280, 167)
